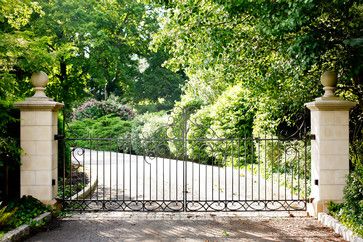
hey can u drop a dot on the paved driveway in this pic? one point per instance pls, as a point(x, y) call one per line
point(118, 226)
point(144, 178)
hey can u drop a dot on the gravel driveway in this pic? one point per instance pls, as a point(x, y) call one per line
point(119, 226)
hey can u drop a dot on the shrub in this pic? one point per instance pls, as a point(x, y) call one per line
point(232, 117)
point(149, 134)
point(108, 126)
point(199, 124)
point(94, 109)
point(177, 125)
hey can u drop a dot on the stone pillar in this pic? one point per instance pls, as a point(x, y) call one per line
point(39, 159)
point(329, 147)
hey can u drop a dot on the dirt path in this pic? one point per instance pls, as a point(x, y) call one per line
point(186, 227)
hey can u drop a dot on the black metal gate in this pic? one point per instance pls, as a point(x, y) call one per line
point(181, 172)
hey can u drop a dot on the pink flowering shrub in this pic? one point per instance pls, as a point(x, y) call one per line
point(94, 109)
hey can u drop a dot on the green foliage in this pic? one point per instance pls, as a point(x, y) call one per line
point(178, 121)
point(230, 117)
point(149, 134)
point(350, 212)
point(270, 48)
point(26, 209)
point(6, 216)
point(94, 109)
point(105, 127)
point(199, 125)
point(157, 83)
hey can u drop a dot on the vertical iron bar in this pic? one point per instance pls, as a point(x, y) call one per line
point(97, 173)
point(103, 162)
point(206, 182)
point(239, 168)
point(110, 175)
point(163, 179)
point(143, 180)
point(117, 168)
point(192, 181)
point(232, 170)
point(225, 174)
point(137, 178)
point(130, 165)
point(70, 175)
point(285, 170)
point(156, 178)
point(298, 175)
point(252, 173)
point(272, 168)
point(169, 179)
point(90, 162)
point(259, 167)
point(123, 174)
point(219, 184)
point(64, 157)
point(199, 182)
point(150, 182)
point(84, 172)
point(185, 171)
point(245, 151)
point(278, 169)
point(292, 179)
point(265, 167)
point(305, 160)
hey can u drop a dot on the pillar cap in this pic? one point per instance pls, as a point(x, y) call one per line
point(39, 81)
point(329, 80)
point(330, 102)
point(39, 101)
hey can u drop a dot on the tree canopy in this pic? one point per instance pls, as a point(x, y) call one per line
point(275, 49)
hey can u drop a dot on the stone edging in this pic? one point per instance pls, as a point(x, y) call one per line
point(87, 191)
point(333, 223)
point(24, 230)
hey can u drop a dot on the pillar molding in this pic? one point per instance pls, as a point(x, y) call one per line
point(330, 148)
point(39, 158)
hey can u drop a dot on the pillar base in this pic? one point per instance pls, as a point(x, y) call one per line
point(318, 206)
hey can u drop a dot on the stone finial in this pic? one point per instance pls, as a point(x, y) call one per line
point(39, 81)
point(329, 80)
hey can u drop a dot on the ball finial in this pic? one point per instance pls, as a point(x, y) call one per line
point(329, 80)
point(39, 81)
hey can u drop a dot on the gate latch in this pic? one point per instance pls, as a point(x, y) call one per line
point(58, 137)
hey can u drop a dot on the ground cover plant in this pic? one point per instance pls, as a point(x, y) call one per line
point(21, 211)
point(350, 212)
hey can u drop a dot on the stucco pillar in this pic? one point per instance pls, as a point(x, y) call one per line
point(38, 125)
point(329, 147)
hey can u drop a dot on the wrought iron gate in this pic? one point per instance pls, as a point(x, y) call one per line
point(182, 172)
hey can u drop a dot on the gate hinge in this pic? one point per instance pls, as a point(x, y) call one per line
point(312, 137)
point(58, 137)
